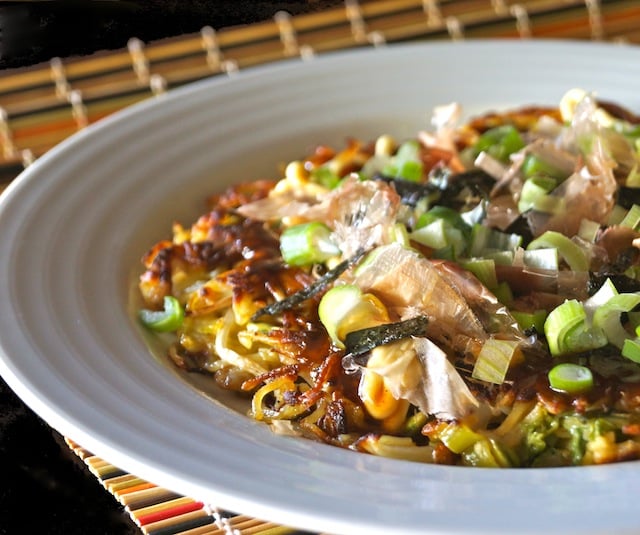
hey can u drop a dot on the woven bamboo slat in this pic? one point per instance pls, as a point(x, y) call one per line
point(43, 104)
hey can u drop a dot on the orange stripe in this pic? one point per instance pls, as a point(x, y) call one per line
point(136, 488)
point(168, 513)
point(20, 132)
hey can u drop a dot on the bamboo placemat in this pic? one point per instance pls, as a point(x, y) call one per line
point(160, 511)
point(42, 105)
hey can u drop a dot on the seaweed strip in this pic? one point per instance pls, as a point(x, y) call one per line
point(446, 185)
point(307, 293)
point(360, 342)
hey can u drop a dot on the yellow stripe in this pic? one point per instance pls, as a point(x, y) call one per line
point(144, 496)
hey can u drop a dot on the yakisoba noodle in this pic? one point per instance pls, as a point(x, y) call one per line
point(466, 297)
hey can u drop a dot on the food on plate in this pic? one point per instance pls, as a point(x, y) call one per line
point(470, 296)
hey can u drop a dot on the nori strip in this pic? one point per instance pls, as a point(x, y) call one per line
point(307, 293)
point(360, 342)
point(446, 185)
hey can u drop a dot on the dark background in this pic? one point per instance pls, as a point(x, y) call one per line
point(36, 31)
point(44, 487)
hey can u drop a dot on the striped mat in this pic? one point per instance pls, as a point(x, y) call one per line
point(159, 511)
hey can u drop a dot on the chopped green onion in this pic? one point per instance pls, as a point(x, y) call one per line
point(534, 165)
point(570, 378)
point(448, 215)
point(503, 293)
point(446, 253)
point(484, 269)
point(633, 178)
point(486, 240)
point(533, 190)
point(567, 330)
point(632, 218)
point(415, 423)
point(411, 171)
point(589, 230)
point(617, 214)
point(631, 349)
point(607, 317)
point(550, 204)
point(530, 320)
point(440, 236)
point(546, 258)
point(598, 299)
point(489, 453)
point(499, 142)
point(477, 214)
point(634, 321)
point(166, 320)
point(606, 291)
point(494, 359)
point(570, 251)
point(399, 234)
point(458, 437)
point(307, 243)
point(500, 258)
point(325, 177)
point(432, 235)
point(406, 163)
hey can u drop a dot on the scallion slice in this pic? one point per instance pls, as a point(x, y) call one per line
point(631, 349)
point(549, 204)
point(607, 317)
point(617, 214)
point(485, 240)
point(307, 243)
point(441, 228)
point(633, 178)
point(568, 331)
point(632, 218)
point(166, 320)
point(606, 291)
point(570, 378)
point(432, 235)
point(530, 320)
point(534, 189)
point(458, 437)
point(484, 269)
point(535, 166)
point(494, 360)
point(589, 230)
point(499, 142)
point(570, 251)
point(406, 164)
point(546, 258)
